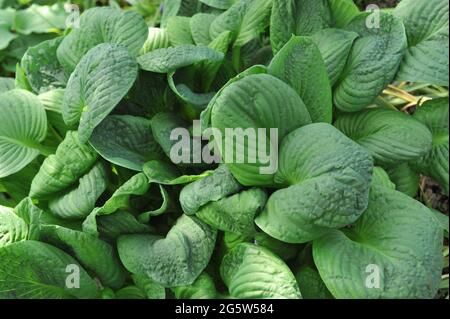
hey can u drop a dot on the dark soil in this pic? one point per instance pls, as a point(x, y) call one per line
point(432, 195)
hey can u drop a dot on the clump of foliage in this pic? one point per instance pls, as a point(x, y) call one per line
point(23, 26)
point(88, 182)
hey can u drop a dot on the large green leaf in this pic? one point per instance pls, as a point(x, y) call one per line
point(120, 223)
point(391, 137)
point(171, 59)
point(405, 179)
point(167, 174)
point(80, 200)
point(381, 178)
point(205, 116)
point(126, 141)
point(34, 270)
point(309, 281)
point(163, 125)
point(130, 292)
point(152, 94)
point(435, 164)
point(253, 272)
point(42, 68)
point(93, 253)
point(94, 88)
point(176, 260)
point(179, 31)
point(284, 250)
point(61, 170)
point(40, 19)
point(297, 17)
point(235, 213)
point(209, 68)
point(53, 101)
point(335, 46)
point(32, 215)
point(102, 25)
point(200, 24)
point(23, 126)
point(245, 19)
point(195, 101)
point(299, 63)
point(311, 285)
point(184, 8)
point(342, 12)
point(211, 188)
point(373, 61)
point(392, 251)
point(426, 24)
point(151, 288)
point(136, 185)
point(202, 288)
point(255, 102)
point(335, 173)
point(12, 227)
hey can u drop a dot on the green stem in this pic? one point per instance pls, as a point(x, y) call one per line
point(414, 87)
point(431, 91)
point(53, 130)
point(384, 103)
point(236, 59)
point(440, 89)
point(45, 150)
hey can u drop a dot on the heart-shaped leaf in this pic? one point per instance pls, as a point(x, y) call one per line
point(252, 272)
point(392, 251)
point(126, 141)
point(176, 260)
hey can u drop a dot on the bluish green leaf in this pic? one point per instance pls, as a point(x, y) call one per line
point(93, 253)
point(245, 19)
point(176, 260)
point(126, 141)
point(335, 46)
point(392, 251)
point(335, 173)
point(391, 137)
point(101, 79)
point(80, 200)
point(12, 227)
point(42, 68)
point(25, 273)
point(252, 272)
point(40, 19)
point(179, 31)
point(373, 61)
point(102, 25)
point(435, 164)
point(211, 188)
point(299, 64)
point(61, 170)
point(202, 288)
point(426, 24)
point(171, 59)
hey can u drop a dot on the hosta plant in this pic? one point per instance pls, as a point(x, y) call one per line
point(95, 204)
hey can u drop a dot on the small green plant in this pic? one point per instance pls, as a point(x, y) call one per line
point(94, 205)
